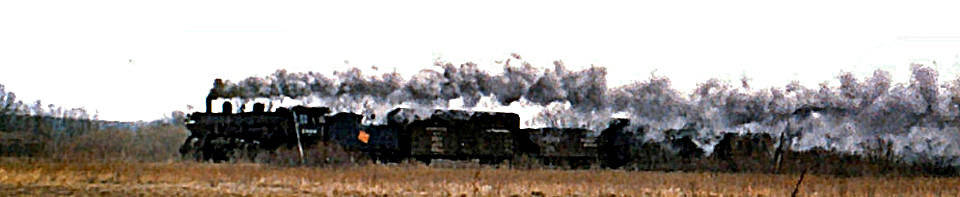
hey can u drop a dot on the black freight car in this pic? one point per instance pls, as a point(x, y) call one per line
point(457, 135)
point(573, 147)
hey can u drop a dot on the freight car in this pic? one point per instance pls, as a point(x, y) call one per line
point(573, 147)
point(457, 135)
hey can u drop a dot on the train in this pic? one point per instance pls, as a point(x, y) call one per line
point(487, 137)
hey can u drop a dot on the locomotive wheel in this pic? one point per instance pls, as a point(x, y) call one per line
point(488, 161)
point(384, 156)
point(492, 160)
point(424, 159)
point(578, 163)
point(216, 150)
point(249, 150)
point(391, 157)
point(190, 148)
point(614, 159)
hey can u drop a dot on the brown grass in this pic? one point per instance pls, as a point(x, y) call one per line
point(34, 176)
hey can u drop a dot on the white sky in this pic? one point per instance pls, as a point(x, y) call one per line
point(77, 53)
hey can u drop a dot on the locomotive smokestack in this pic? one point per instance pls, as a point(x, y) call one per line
point(209, 101)
point(215, 93)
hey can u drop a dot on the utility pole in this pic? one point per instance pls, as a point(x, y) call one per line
point(296, 129)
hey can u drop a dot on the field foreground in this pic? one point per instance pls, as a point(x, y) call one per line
point(31, 177)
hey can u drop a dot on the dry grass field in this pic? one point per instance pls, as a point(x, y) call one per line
point(32, 177)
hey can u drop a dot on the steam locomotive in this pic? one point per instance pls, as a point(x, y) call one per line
point(490, 137)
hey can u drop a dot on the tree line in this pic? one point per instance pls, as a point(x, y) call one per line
point(50, 131)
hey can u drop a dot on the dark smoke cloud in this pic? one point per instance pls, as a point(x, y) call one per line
point(466, 81)
point(585, 89)
point(653, 99)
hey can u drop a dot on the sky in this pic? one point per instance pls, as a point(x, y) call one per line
point(139, 60)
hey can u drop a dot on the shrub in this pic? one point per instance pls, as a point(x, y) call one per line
point(151, 143)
